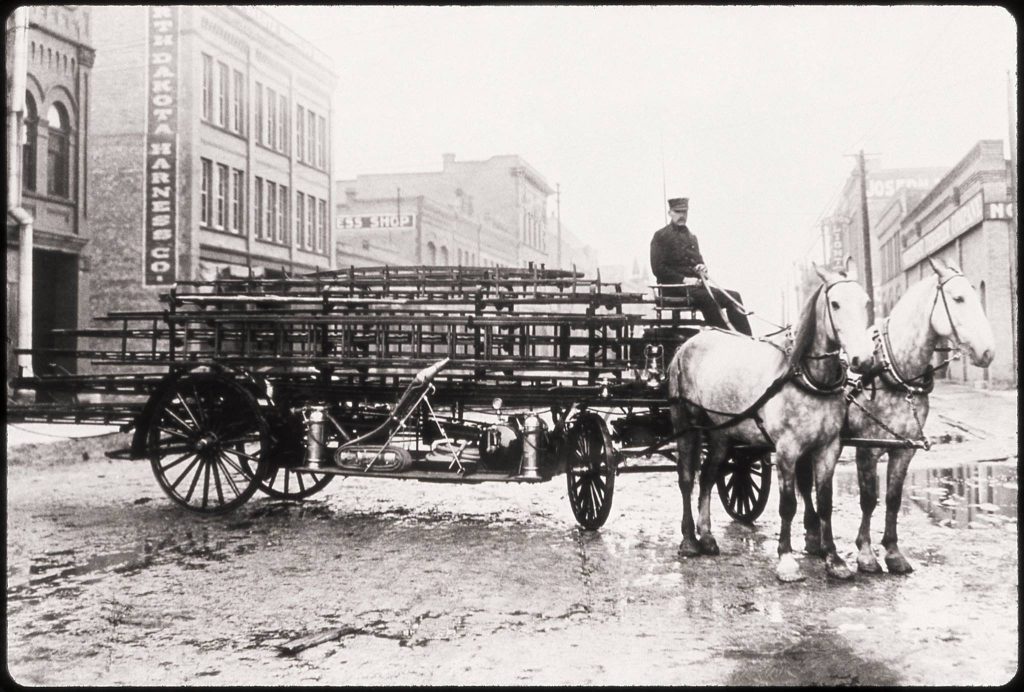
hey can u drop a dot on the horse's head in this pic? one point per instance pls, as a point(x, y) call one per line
point(957, 314)
point(842, 314)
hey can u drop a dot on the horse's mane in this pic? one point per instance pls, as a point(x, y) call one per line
point(805, 330)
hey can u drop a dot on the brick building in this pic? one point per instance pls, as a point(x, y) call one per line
point(843, 234)
point(966, 219)
point(210, 149)
point(54, 176)
point(491, 212)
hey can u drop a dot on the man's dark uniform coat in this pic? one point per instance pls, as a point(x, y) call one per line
point(675, 255)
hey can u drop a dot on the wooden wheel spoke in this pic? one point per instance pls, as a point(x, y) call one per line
point(222, 461)
point(206, 481)
point(228, 461)
point(195, 479)
point(183, 457)
point(184, 473)
point(185, 426)
point(181, 400)
point(242, 454)
point(215, 470)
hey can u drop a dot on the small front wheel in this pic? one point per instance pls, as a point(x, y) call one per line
point(744, 482)
point(590, 470)
point(285, 484)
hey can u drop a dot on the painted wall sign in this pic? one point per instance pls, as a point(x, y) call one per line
point(376, 221)
point(966, 216)
point(887, 187)
point(835, 232)
point(999, 210)
point(160, 258)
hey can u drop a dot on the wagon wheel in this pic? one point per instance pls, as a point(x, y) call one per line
point(206, 443)
point(744, 483)
point(590, 470)
point(284, 484)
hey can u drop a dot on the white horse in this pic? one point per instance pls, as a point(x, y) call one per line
point(728, 388)
point(939, 307)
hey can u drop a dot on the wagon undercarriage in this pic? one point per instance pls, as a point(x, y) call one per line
point(460, 375)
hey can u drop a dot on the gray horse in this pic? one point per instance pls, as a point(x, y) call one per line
point(727, 388)
point(939, 307)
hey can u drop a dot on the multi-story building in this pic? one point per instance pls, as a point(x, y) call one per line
point(53, 171)
point(889, 279)
point(491, 212)
point(843, 231)
point(966, 219)
point(211, 149)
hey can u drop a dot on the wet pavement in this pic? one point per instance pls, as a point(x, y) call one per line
point(399, 582)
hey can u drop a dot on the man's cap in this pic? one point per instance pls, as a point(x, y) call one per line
point(679, 204)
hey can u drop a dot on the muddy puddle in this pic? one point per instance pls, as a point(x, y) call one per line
point(969, 495)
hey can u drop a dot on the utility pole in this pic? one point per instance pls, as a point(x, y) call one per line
point(558, 220)
point(865, 225)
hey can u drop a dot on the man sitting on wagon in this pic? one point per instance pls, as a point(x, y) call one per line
point(675, 256)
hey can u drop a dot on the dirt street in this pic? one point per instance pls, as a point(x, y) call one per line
point(399, 582)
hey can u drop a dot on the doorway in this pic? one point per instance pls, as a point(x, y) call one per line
point(55, 306)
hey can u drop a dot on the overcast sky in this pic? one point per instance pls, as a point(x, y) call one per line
point(750, 110)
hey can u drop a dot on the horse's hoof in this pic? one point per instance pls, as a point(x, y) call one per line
point(898, 564)
point(837, 569)
point(788, 570)
point(708, 545)
point(868, 564)
point(688, 547)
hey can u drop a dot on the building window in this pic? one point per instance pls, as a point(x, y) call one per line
point(271, 118)
point(300, 217)
point(321, 139)
point(321, 229)
point(258, 215)
point(28, 158)
point(282, 214)
point(58, 154)
point(307, 238)
point(222, 94)
point(282, 124)
point(204, 191)
point(237, 101)
point(444, 256)
point(271, 229)
point(207, 86)
point(237, 201)
point(311, 136)
point(300, 133)
point(220, 219)
point(431, 254)
point(259, 113)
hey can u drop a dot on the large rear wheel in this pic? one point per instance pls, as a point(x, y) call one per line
point(206, 443)
point(590, 470)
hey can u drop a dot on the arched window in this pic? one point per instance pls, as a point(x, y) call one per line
point(431, 254)
point(983, 297)
point(444, 256)
point(58, 153)
point(28, 157)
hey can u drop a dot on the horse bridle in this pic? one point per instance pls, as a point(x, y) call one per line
point(923, 383)
point(803, 376)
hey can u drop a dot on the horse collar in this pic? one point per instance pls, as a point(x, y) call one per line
point(890, 372)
